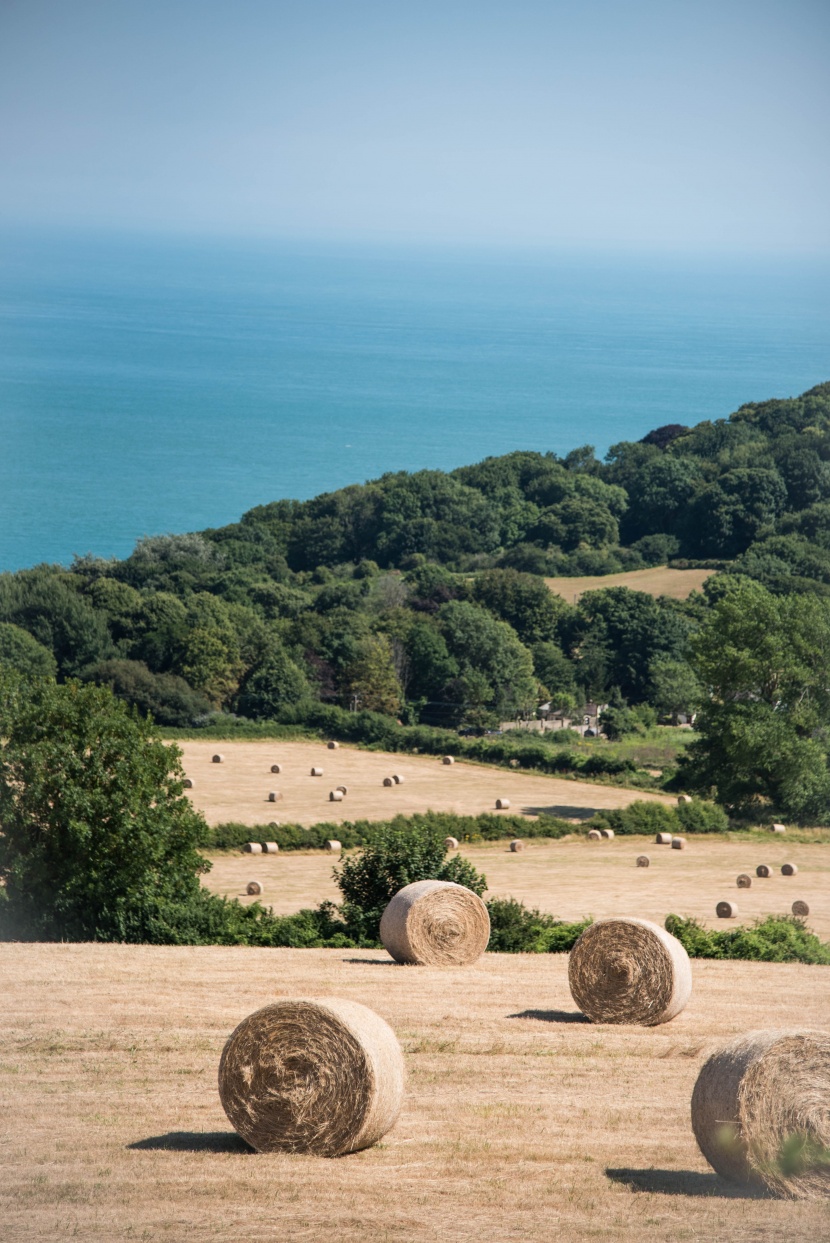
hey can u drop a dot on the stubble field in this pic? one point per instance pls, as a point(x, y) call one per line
point(660, 580)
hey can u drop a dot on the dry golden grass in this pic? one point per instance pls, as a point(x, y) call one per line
point(658, 581)
point(572, 879)
point(238, 789)
point(520, 1123)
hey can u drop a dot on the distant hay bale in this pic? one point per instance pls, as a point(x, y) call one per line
point(319, 1077)
point(435, 923)
point(270, 848)
point(594, 835)
point(744, 881)
point(274, 796)
point(663, 839)
point(344, 790)
point(727, 910)
point(335, 796)
point(451, 843)
point(516, 845)
point(643, 861)
point(273, 824)
point(514, 763)
point(801, 909)
point(387, 781)
point(678, 843)
point(332, 844)
point(252, 848)
point(398, 779)
point(627, 970)
point(217, 759)
point(188, 783)
point(502, 804)
point(763, 870)
point(448, 759)
point(683, 798)
point(789, 869)
point(276, 768)
point(778, 828)
point(759, 1112)
point(253, 887)
point(608, 834)
point(316, 772)
point(332, 746)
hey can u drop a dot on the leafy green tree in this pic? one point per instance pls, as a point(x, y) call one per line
point(21, 651)
point(47, 602)
point(728, 515)
point(622, 633)
point(523, 600)
point(168, 699)
point(372, 679)
point(278, 681)
point(97, 833)
point(577, 520)
point(676, 689)
point(490, 657)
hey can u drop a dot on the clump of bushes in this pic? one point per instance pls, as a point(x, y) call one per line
point(515, 929)
point(778, 938)
point(647, 818)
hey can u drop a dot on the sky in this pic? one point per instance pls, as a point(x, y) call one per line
point(602, 123)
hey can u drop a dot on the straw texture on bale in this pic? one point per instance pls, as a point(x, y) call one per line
point(217, 759)
point(276, 768)
point(188, 783)
point(663, 839)
point(332, 844)
point(435, 923)
point(800, 908)
point(608, 834)
point(727, 910)
point(253, 887)
point(252, 848)
point(683, 798)
point(316, 772)
point(448, 759)
point(628, 970)
point(398, 779)
point(763, 870)
point(387, 781)
point(502, 804)
point(517, 844)
point(270, 848)
point(319, 1077)
point(335, 796)
point(761, 1112)
point(643, 861)
point(274, 796)
point(744, 881)
point(789, 869)
point(451, 843)
point(332, 746)
point(678, 843)
point(594, 835)
point(779, 828)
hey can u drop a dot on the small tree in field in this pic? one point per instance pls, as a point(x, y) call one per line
point(97, 834)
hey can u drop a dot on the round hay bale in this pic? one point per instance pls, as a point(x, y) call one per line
point(387, 781)
point(270, 848)
point(778, 828)
point(316, 772)
point(763, 870)
point(187, 783)
point(332, 746)
point(253, 887)
point(759, 1111)
point(344, 790)
point(435, 923)
point(678, 843)
point(335, 796)
point(502, 804)
point(594, 835)
point(273, 824)
point(629, 970)
point(448, 759)
point(516, 845)
point(398, 779)
point(217, 759)
point(727, 910)
point(514, 763)
point(451, 843)
point(252, 848)
point(276, 768)
point(320, 1077)
point(608, 834)
point(663, 839)
point(332, 844)
point(789, 869)
point(744, 881)
point(683, 798)
point(643, 861)
point(801, 909)
point(274, 796)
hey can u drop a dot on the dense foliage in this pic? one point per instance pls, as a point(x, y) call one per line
point(778, 938)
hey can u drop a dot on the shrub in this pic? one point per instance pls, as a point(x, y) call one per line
point(515, 929)
point(778, 938)
point(646, 818)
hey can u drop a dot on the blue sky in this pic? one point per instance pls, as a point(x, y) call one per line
point(605, 124)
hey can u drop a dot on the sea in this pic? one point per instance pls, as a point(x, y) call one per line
point(152, 385)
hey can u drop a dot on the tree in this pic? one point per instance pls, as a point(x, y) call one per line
point(622, 633)
point(523, 600)
point(20, 651)
point(496, 669)
point(272, 685)
point(97, 833)
point(372, 679)
point(676, 689)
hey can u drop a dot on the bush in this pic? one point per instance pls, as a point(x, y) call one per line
point(515, 929)
point(778, 938)
point(647, 818)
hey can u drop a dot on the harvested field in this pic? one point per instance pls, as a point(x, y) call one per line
point(238, 789)
point(521, 1121)
point(658, 581)
point(572, 879)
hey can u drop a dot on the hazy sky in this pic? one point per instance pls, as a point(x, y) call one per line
point(622, 123)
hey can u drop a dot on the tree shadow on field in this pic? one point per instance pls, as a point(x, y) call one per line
point(683, 1183)
point(562, 812)
point(194, 1141)
point(552, 1016)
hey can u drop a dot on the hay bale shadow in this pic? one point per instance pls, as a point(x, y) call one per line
point(374, 962)
point(562, 811)
point(194, 1141)
point(682, 1183)
point(552, 1016)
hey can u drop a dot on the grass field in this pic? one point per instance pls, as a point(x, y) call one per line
point(658, 581)
point(521, 1121)
point(238, 788)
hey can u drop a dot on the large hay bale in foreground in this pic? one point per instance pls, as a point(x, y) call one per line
point(643, 861)
point(727, 910)
point(761, 1111)
point(801, 909)
point(789, 869)
point(628, 970)
point(435, 923)
point(252, 848)
point(744, 881)
point(451, 843)
point(320, 1077)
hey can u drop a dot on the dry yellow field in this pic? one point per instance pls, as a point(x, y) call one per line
point(521, 1121)
point(658, 581)
point(575, 878)
point(238, 788)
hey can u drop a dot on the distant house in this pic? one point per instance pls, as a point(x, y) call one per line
point(548, 719)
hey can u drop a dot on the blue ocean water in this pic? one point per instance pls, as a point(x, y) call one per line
point(149, 386)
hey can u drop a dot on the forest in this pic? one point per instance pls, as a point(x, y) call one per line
point(420, 598)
